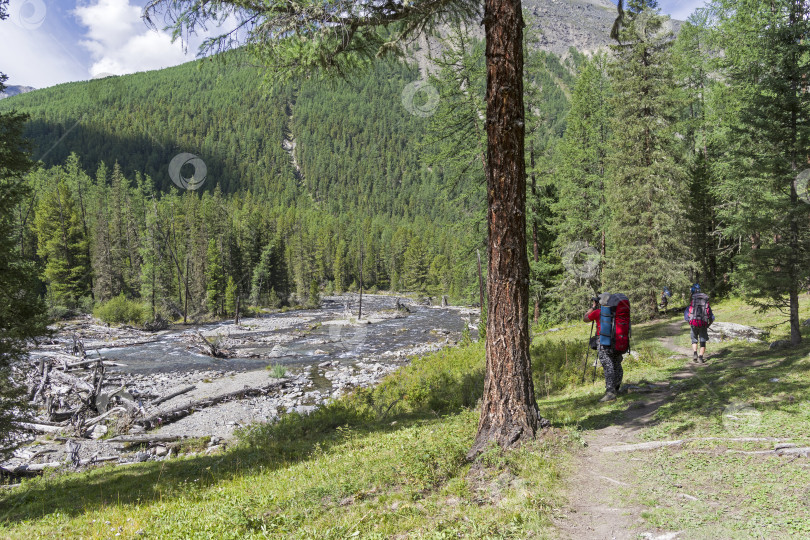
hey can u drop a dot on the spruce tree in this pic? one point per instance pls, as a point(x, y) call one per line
point(766, 203)
point(62, 246)
point(701, 145)
point(581, 213)
point(214, 279)
point(23, 314)
point(231, 293)
point(645, 190)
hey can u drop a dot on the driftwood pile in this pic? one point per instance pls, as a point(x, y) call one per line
point(72, 393)
point(77, 399)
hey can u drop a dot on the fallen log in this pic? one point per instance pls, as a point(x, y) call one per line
point(30, 470)
point(167, 417)
point(145, 438)
point(40, 428)
point(96, 361)
point(209, 348)
point(46, 371)
point(57, 416)
point(99, 418)
point(70, 380)
point(98, 459)
point(167, 397)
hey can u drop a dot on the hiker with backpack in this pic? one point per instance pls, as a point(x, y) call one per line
point(665, 294)
point(700, 317)
point(611, 312)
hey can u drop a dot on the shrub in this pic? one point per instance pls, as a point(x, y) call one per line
point(58, 312)
point(121, 310)
point(277, 371)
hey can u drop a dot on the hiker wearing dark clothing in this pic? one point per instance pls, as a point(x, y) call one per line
point(665, 294)
point(610, 351)
point(700, 317)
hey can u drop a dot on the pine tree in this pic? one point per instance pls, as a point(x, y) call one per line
point(766, 191)
point(645, 241)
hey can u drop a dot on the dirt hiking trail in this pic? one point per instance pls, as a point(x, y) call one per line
point(597, 480)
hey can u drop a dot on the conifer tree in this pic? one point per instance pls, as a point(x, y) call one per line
point(214, 279)
point(415, 265)
point(765, 191)
point(23, 314)
point(581, 212)
point(645, 189)
point(230, 296)
point(701, 145)
point(63, 247)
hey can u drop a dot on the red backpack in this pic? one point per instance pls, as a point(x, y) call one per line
point(699, 310)
point(614, 323)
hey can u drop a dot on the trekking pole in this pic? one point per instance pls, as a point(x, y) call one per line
point(587, 352)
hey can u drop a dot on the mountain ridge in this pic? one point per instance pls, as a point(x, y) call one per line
point(15, 89)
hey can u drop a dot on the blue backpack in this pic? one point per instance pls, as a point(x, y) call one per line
point(614, 323)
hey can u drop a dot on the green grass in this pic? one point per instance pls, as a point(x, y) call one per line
point(277, 371)
point(746, 391)
point(389, 461)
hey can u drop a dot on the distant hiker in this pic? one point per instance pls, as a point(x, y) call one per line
point(612, 315)
point(700, 317)
point(665, 294)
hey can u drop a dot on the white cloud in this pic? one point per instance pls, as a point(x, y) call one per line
point(35, 57)
point(119, 41)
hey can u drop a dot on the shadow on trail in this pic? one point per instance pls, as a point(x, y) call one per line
point(734, 376)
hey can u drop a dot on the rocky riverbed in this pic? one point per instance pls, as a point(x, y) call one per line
point(126, 395)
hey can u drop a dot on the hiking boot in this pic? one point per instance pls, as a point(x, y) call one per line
point(609, 396)
point(701, 360)
point(695, 357)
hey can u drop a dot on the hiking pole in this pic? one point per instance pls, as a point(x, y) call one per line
point(587, 352)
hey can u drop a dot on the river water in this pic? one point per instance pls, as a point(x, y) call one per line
point(301, 338)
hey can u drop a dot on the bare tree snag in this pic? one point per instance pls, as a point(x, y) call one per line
point(509, 414)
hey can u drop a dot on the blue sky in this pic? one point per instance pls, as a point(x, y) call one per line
point(47, 42)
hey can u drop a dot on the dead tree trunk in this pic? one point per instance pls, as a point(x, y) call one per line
point(509, 412)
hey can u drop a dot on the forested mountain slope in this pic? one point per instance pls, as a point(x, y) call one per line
point(342, 153)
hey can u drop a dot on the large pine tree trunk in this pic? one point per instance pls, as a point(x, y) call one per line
point(509, 412)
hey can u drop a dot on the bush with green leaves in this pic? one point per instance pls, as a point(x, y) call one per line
point(121, 310)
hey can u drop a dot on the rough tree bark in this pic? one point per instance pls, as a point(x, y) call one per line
point(509, 412)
